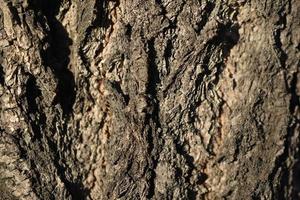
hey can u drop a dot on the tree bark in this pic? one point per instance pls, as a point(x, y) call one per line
point(158, 99)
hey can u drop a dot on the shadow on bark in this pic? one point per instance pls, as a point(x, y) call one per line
point(295, 102)
point(1, 75)
point(57, 54)
point(36, 115)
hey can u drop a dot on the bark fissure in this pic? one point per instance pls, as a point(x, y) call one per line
point(153, 101)
point(281, 25)
point(209, 7)
point(292, 129)
point(1, 74)
point(76, 190)
point(56, 56)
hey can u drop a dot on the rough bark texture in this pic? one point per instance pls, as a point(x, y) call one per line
point(149, 99)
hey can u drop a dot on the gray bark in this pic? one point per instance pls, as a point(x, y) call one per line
point(158, 99)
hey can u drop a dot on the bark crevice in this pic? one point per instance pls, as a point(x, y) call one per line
point(152, 117)
point(56, 56)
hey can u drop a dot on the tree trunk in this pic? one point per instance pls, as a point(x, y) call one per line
point(158, 99)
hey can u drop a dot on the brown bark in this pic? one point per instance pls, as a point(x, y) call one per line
point(149, 99)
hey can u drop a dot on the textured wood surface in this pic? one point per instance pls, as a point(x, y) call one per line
point(149, 99)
